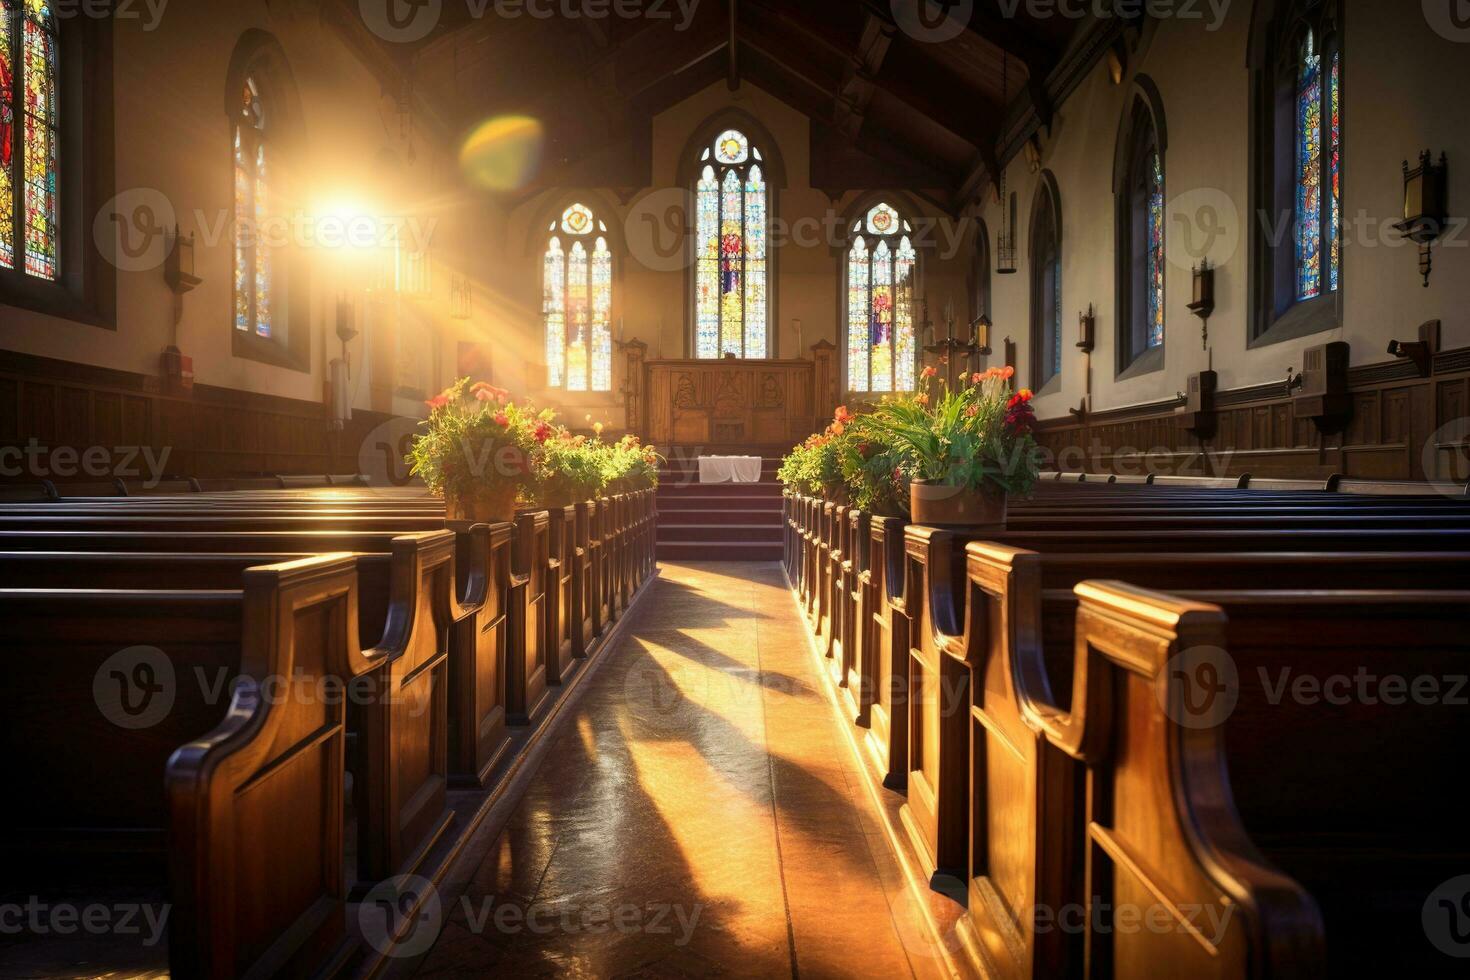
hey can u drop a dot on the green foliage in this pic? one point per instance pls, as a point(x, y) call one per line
point(478, 440)
point(630, 461)
point(978, 436)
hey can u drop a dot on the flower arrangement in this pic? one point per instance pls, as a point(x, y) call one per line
point(814, 466)
point(480, 451)
point(570, 468)
point(486, 456)
point(977, 437)
point(974, 443)
point(631, 464)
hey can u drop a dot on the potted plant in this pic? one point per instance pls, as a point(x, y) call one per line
point(969, 449)
point(629, 465)
point(479, 451)
point(813, 467)
point(877, 471)
point(571, 468)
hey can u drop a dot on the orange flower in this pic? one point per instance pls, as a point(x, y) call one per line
point(438, 401)
point(922, 399)
point(929, 372)
point(976, 378)
point(838, 428)
point(1007, 372)
point(842, 415)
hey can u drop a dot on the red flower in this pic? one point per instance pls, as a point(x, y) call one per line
point(438, 401)
point(543, 431)
point(1020, 398)
point(502, 420)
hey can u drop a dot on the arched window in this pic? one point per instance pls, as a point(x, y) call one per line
point(882, 269)
point(1046, 283)
point(29, 137)
point(254, 287)
point(730, 267)
point(1298, 76)
point(1139, 188)
point(576, 302)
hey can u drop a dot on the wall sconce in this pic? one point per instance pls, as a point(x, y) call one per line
point(1086, 329)
point(1425, 206)
point(178, 269)
point(1420, 351)
point(1032, 149)
point(981, 328)
point(178, 272)
point(1203, 303)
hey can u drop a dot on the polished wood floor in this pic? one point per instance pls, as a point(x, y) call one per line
point(701, 813)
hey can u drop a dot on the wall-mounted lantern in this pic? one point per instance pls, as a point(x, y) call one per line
point(1087, 329)
point(1426, 206)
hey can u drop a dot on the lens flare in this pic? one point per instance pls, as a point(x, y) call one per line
point(502, 153)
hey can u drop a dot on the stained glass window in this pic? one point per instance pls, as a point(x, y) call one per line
point(1144, 260)
point(882, 350)
point(1309, 172)
point(1155, 251)
point(254, 296)
point(1334, 214)
point(576, 303)
point(29, 137)
point(7, 138)
point(730, 261)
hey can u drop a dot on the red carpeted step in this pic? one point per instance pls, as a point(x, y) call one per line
point(721, 518)
point(717, 551)
point(738, 533)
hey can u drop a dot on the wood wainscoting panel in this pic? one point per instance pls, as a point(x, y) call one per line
point(213, 433)
point(1396, 416)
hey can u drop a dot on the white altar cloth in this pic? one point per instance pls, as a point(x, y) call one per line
point(729, 469)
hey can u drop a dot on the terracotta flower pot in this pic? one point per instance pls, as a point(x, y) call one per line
point(943, 505)
point(488, 505)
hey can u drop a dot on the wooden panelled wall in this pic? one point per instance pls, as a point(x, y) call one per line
point(737, 402)
point(1396, 414)
point(212, 433)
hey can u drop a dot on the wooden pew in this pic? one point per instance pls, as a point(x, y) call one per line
point(884, 614)
point(846, 655)
point(526, 676)
point(1196, 805)
point(155, 760)
point(932, 669)
point(1023, 791)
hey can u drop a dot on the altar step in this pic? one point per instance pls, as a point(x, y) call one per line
point(718, 521)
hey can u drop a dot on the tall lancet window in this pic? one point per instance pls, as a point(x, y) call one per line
point(730, 288)
point(29, 138)
point(576, 302)
point(254, 306)
point(882, 269)
point(1318, 168)
point(1297, 64)
point(1142, 226)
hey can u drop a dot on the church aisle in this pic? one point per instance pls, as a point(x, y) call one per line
point(700, 814)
